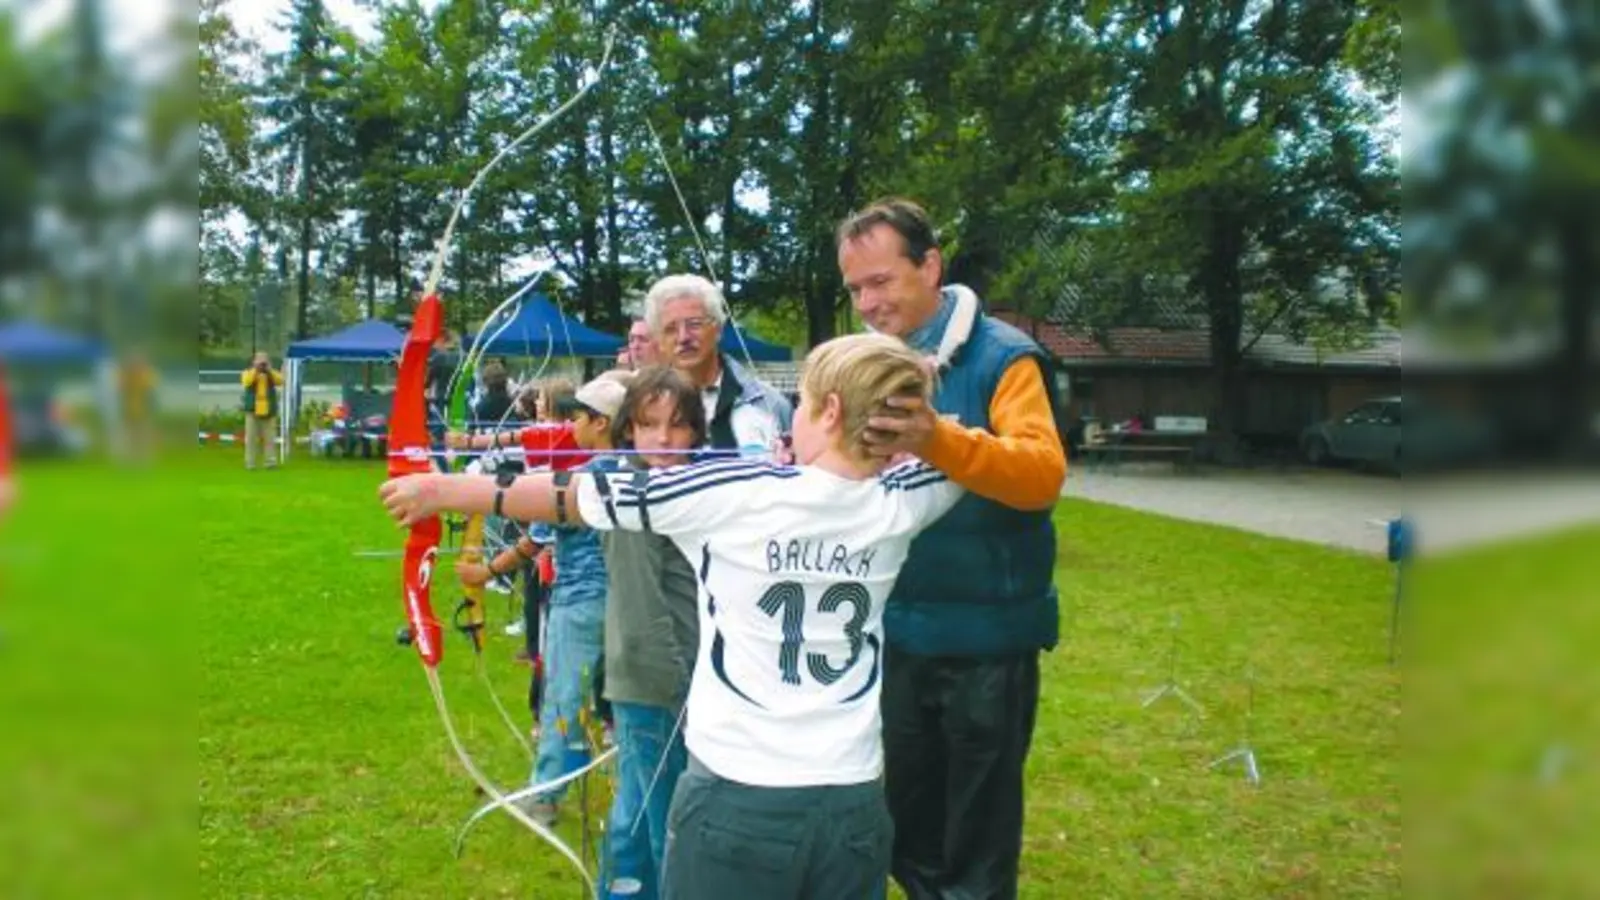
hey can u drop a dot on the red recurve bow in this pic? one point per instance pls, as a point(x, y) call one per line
point(409, 446)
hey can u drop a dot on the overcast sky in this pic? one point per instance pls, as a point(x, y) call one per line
point(257, 18)
point(134, 27)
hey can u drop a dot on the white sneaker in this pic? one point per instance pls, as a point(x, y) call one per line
point(516, 629)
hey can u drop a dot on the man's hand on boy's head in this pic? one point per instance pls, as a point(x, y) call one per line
point(903, 426)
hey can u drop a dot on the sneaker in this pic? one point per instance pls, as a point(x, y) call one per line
point(540, 811)
point(516, 629)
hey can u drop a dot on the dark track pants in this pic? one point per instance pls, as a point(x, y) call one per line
point(956, 733)
point(732, 841)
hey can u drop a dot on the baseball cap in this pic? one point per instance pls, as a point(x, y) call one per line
point(604, 394)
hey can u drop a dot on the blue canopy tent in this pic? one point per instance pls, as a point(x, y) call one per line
point(31, 345)
point(540, 326)
point(30, 342)
point(373, 339)
point(759, 350)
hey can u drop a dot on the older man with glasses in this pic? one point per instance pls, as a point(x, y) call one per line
point(686, 313)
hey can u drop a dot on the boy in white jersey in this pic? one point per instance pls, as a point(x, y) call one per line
point(783, 796)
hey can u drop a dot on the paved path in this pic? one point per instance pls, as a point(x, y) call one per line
point(1344, 509)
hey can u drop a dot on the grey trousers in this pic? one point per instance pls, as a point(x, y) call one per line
point(260, 439)
point(727, 840)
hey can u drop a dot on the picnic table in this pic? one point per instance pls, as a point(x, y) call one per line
point(1174, 439)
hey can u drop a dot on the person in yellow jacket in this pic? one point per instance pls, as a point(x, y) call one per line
point(260, 404)
point(136, 396)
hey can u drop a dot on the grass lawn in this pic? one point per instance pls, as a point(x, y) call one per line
point(323, 771)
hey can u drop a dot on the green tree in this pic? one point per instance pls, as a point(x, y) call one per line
point(1249, 173)
point(302, 98)
point(25, 105)
point(1503, 189)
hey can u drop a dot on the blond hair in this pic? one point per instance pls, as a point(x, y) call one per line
point(552, 390)
point(864, 370)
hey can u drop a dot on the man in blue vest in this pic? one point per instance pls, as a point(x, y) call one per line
point(975, 603)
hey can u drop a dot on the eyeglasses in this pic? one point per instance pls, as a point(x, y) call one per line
point(693, 323)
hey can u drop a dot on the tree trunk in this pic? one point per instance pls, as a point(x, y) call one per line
point(730, 174)
point(611, 293)
point(302, 327)
point(372, 279)
point(397, 260)
point(816, 138)
point(1223, 291)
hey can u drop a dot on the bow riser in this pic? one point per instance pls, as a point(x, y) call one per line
point(408, 433)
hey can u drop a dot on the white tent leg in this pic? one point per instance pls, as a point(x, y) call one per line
point(290, 411)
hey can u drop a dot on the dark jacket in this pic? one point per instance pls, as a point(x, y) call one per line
point(979, 582)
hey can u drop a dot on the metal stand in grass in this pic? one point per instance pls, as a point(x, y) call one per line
point(1245, 753)
point(1171, 688)
point(1401, 541)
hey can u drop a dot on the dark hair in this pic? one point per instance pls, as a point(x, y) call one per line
point(494, 376)
point(908, 220)
point(658, 381)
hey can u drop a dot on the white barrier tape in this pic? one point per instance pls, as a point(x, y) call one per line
point(237, 438)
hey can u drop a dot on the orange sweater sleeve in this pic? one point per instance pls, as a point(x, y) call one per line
point(1022, 464)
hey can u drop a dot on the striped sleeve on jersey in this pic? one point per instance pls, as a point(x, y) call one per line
point(683, 498)
point(910, 476)
point(921, 492)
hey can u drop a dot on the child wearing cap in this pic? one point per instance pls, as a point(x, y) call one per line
point(575, 628)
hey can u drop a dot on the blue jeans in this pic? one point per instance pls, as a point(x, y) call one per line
point(644, 737)
point(573, 645)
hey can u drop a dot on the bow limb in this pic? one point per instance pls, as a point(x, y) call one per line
point(432, 284)
point(409, 435)
point(457, 391)
point(472, 619)
point(532, 790)
point(456, 412)
point(705, 255)
point(501, 800)
point(550, 346)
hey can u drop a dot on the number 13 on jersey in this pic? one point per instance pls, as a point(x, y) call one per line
point(787, 601)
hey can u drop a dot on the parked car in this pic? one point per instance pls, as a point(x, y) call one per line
point(1372, 434)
